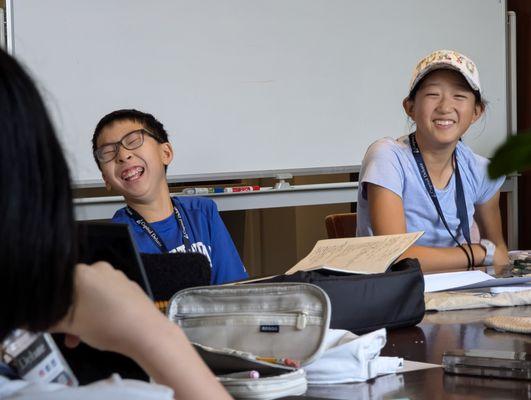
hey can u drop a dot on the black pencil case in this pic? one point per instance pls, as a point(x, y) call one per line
point(362, 303)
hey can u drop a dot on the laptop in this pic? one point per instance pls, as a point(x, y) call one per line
point(160, 275)
point(106, 241)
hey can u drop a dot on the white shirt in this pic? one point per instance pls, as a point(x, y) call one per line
point(113, 388)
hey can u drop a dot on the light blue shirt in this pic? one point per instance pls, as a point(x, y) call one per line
point(389, 163)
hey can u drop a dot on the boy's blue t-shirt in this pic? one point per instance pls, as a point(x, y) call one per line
point(207, 232)
point(390, 163)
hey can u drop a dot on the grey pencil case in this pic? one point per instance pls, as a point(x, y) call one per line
point(255, 327)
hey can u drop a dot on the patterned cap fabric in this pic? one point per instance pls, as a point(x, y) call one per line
point(447, 59)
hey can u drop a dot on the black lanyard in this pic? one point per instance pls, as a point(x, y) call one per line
point(460, 198)
point(153, 235)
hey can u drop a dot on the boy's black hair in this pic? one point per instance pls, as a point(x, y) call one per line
point(37, 239)
point(148, 121)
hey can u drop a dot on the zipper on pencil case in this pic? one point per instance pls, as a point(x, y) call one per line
point(300, 318)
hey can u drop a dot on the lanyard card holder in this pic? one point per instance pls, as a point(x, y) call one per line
point(238, 330)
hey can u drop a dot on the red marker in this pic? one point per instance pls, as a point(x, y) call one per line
point(242, 189)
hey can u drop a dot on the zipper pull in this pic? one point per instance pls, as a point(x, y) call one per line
point(302, 319)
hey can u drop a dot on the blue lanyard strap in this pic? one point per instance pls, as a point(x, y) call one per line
point(460, 199)
point(8, 372)
point(140, 221)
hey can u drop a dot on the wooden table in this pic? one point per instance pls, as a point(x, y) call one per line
point(426, 342)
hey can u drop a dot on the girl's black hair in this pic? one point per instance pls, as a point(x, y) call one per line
point(37, 234)
point(477, 95)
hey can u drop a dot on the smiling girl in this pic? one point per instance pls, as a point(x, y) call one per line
point(431, 181)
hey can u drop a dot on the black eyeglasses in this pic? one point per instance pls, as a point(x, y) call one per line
point(133, 140)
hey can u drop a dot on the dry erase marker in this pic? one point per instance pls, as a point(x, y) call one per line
point(242, 375)
point(198, 190)
point(237, 189)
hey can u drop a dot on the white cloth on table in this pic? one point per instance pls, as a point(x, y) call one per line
point(351, 358)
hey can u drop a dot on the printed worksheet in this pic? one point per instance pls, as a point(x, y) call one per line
point(360, 255)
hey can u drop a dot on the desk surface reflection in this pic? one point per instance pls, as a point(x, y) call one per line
point(437, 333)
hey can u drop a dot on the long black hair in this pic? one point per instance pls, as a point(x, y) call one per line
point(37, 240)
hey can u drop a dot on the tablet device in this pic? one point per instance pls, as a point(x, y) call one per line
point(111, 242)
point(489, 363)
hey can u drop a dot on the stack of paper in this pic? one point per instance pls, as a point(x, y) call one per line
point(505, 289)
point(466, 280)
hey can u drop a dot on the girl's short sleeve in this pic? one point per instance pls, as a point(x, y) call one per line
point(382, 166)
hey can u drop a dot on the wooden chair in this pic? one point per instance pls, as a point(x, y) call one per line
point(341, 225)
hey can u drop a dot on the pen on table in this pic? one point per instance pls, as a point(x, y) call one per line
point(242, 375)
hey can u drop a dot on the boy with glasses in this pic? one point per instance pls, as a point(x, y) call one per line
point(132, 150)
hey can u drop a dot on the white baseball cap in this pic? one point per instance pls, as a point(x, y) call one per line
point(447, 59)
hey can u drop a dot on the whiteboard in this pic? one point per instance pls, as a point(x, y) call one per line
point(252, 85)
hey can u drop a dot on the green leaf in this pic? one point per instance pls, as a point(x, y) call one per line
point(513, 155)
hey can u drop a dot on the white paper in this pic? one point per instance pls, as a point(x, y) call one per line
point(453, 280)
point(504, 289)
point(466, 280)
point(409, 366)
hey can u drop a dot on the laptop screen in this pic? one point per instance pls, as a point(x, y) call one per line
point(111, 242)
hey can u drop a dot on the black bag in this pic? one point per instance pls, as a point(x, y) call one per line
point(364, 303)
point(169, 273)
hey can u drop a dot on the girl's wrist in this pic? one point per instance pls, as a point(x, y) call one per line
point(147, 340)
point(479, 254)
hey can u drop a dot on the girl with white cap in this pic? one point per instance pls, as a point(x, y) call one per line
point(431, 181)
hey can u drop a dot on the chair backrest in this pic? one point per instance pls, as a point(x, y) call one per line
point(341, 225)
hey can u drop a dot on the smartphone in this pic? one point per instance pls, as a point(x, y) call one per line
point(488, 363)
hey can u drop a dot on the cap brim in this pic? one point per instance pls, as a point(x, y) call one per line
point(437, 66)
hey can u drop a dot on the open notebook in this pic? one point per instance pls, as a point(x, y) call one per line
point(358, 255)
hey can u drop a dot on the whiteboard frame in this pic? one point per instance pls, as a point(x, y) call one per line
point(88, 183)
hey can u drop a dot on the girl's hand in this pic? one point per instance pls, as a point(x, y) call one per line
point(500, 256)
point(109, 311)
